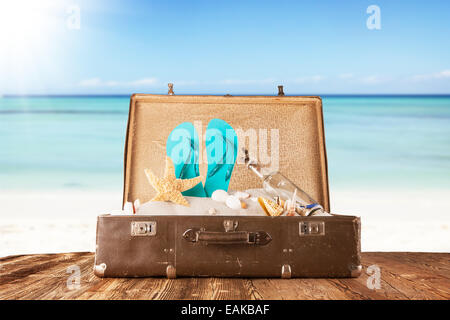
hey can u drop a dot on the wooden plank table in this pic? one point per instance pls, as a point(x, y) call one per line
point(45, 276)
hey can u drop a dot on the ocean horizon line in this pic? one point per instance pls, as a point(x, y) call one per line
point(325, 95)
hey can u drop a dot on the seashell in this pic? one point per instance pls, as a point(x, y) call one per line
point(242, 195)
point(233, 202)
point(219, 195)
point(243, 205)
point(270, 207)
point(212, 211)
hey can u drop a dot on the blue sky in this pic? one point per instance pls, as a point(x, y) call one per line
point(217, 47)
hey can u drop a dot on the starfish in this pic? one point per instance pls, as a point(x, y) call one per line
point(169, 188)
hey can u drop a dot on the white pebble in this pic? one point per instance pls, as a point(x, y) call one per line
point(233, 203)
point(219, 195)
point(128, 208)
point(136, 204)
point(212, 211)
point(242, 195)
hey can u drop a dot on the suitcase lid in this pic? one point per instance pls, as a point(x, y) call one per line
point(296, 120)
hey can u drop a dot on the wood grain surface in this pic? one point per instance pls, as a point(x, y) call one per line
point(45, 276)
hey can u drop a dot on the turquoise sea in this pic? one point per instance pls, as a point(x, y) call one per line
point(49, 143)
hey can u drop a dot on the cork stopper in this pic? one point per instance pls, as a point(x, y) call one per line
point(252, 164)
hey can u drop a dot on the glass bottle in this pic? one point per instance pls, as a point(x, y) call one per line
point(278, 186)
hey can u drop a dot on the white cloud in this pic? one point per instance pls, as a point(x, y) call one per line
point(309, 79)
point(111, 83)
point(369, 80)
point(94, 82)
point(374, 79)
point(97, 82)
point(444, 74)
point(144, 82)
point(246, 82)
point(187, 82)
point(346, 76)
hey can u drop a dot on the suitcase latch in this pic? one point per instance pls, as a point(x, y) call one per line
point(170, 92)
point(143, 228)
point(230, 225)
point(312, 228)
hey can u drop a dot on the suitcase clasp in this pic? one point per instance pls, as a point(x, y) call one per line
point(311, 228)
point(143, 228)
point(230, 225)
point(170, 92)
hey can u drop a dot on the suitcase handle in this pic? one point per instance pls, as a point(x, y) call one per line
point(233, 237)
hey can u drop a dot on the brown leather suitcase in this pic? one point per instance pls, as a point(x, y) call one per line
point(228, 246)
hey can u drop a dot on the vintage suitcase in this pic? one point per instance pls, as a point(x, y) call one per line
point(228, 246)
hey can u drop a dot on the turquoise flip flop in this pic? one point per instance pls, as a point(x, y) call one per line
point(221, 150)
point(183, 148)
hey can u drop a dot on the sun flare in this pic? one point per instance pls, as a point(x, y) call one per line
point(28, 33)
point(24, 23)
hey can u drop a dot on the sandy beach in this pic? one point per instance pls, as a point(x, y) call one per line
point(51, 222)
